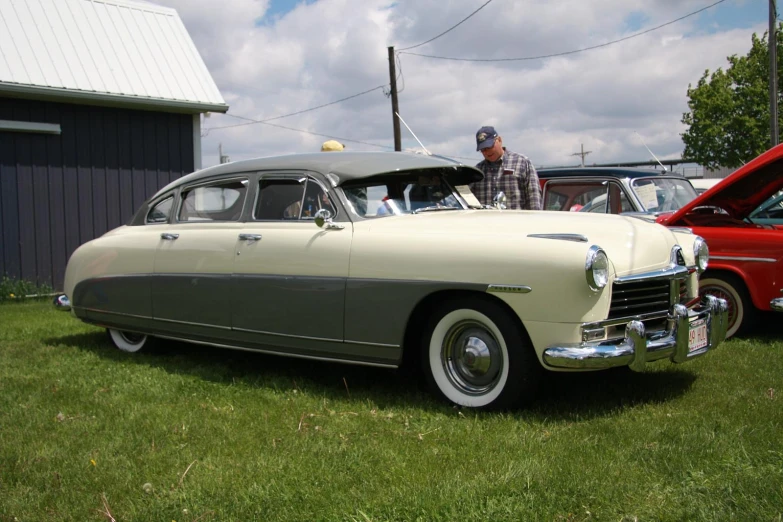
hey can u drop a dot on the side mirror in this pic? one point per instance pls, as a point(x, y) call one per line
point(322, 217)
point(499, 201)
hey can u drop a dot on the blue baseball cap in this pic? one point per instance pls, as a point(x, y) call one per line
point(485, 137)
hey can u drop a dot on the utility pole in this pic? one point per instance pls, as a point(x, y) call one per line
point(582, 154)
point(772, 41)
point(223, 158)
point(395, 107)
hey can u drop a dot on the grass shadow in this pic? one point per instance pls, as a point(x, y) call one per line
point(381, 386)
point(584, 395)
point(767, 327)
point(567, 396)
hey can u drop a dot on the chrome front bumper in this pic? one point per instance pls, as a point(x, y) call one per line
point(777, 304)
point(638, 348)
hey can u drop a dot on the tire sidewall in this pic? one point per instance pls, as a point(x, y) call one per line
point(123, 344)
point(737, 300)
point(519, 364)
point(439, 374)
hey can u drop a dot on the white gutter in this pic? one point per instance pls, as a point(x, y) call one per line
point(113, 100)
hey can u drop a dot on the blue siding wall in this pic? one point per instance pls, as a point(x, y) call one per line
point(57, 192)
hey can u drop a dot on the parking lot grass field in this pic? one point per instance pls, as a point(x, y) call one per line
point(190, 433)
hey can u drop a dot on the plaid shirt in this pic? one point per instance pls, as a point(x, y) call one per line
point(515, 175)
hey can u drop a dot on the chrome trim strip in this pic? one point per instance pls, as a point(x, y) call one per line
point(98, 310)
point(192, 324)
point(674, 272)
point(509, 289)
point(291, 336)
point(740, 258)
point(578, 238)
point(651, 316)
point(107, 312)
point(363, 343)
point(777, 304)
point(284, 354)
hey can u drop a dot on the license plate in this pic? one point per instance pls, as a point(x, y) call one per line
point(697, 335)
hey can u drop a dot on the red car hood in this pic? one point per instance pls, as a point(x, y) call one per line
point(742, 191)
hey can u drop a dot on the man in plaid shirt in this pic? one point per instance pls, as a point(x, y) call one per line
point(505, 171)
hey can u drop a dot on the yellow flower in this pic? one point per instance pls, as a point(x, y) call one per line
point(11, 295)
point(92, 461)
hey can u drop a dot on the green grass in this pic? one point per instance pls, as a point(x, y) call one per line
point(190, 433)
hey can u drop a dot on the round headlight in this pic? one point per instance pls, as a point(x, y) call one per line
point(701, 253)
point(596, 268)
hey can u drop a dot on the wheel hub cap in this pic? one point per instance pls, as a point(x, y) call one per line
point(472, 358)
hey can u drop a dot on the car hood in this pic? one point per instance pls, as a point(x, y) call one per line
point(632, 244)
point(742, 191)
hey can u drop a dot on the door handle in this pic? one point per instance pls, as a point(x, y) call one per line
point(250, 237)
point(169, 236)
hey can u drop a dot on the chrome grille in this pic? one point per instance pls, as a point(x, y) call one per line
point(640, 298)
point(683, 291)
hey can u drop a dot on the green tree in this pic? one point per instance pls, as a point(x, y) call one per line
point(728, 122)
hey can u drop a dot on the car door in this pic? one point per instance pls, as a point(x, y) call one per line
point(191, 288)
point(119, 279)
point(289, 274)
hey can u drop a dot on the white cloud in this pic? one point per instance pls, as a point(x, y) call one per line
point(330, 49)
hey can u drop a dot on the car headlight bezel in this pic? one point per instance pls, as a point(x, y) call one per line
point(701, 254)
point(596, 268)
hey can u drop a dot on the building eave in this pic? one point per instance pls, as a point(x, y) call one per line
point(35, 92)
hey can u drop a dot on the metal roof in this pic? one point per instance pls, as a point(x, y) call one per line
point(116, 52)
point(347, 166)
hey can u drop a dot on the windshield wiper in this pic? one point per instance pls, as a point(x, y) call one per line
point(435, 207)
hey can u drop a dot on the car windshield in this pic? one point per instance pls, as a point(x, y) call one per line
point(401, 195)
point(771, 209)
point(663, 194)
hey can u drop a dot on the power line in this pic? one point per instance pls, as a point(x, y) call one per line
point(447, 30)
point(399, 68)
point(251, 121)
point(311, 133)
point(566, 52)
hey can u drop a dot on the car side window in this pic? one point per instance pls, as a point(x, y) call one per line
point(575, 196)
point(221, 201)
point(554, 200)
point(160, 212)
point(290, 199)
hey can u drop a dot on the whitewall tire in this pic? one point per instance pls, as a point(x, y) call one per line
point(128, 341)
point(475, 355)
point(732, 289)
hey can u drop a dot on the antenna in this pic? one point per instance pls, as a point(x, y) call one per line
point(651, 152)
point(409, 130)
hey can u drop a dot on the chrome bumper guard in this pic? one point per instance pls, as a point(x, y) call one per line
point(777, 304)
point(61, 302)
point(638, 348)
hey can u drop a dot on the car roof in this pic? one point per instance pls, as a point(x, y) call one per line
point(615, 172)
point(347, 166)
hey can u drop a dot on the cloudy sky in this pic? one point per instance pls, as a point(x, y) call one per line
point(273, 58)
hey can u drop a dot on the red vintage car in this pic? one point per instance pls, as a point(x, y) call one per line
point(746, 258)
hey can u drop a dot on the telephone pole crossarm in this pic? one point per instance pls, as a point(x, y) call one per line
point(582, 154)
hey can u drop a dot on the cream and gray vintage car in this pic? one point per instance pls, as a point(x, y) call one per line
point(376, 258)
